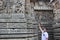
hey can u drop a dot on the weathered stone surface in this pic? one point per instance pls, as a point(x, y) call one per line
point(12, 6)
point(13, 20)
point(16, 25)
point(32, 30)
point(3, 31)
point(3, 25)
point(56, 26)
point(13, 39)
point(41, 6)
point(57, 16)
point(12, 16)
point(8, 31)
point(32, 26)
point(5, 16)
point(31, 21)
point(19, 7)
point(18, 16)
point(33, 38)
point(19, 36)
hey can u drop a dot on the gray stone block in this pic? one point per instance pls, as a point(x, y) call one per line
point(31, 31)
point(3, 31)
point(13, 39)
point(29, 21)
point(3, 20)
point(13, 31)
point(5, 16)
point(56, 25)
point(17, 30)
point(9, 31)
point(32, 26)
point(13, 20)
point(16, 25)
point(15, 36)
point(17, 20)
point(12, 16)
point(29, 25)
point(32, 21)
point(18, 16)
point(33, 38)
point(3, 25)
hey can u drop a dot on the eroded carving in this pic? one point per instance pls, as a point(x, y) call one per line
point(12, 6)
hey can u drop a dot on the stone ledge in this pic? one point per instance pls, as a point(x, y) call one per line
point(12, 16)
point(19, 36)
point(13, 20)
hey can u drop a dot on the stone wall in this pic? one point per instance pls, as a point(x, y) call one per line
point(14, 23)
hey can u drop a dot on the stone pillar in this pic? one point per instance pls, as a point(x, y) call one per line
point(31, 22)
point(57, 25)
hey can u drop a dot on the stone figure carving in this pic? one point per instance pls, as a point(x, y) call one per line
point(19, 7)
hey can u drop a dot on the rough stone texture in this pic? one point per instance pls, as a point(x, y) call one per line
point(12, 6)
point(56, 26)
point(12, 16)
point(24, 30)
point(3, 25)
point(19, 19)
point(13, 20)
point(14, 23)
point(13, 39)
point(33, 38)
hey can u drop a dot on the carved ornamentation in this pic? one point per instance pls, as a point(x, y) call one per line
point(12, 6)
